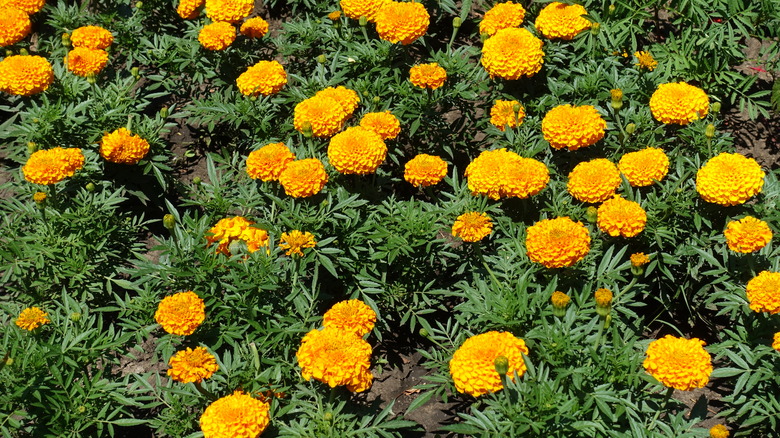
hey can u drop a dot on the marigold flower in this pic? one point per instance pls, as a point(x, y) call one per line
point(265, 77)
point(335, 15)
point(15, 25)
point(355, 9)
point(31, 318)
point(402, 22)
point(472, 227)
point(645, 167)
point(729, 179)
point(427, 75)
point(425, 170)
point(560, 299)
point(557, 243)
point(84, 62)
point(507, 113)
point(91, 37)
point(303, 178)
point(501, 173)
point(39, 197)
point(679, 103)
point(573, 126)
point(348, 99)
point(28, 6)
point(357, 150)
point(776, 341)
point(294, 241)
point(747, 234)
point(719, 431)
point(268, 162)
point(237, 228)
point(603, 297)
point(501, 16)
point(383, 123)
point(336, 357)
point(559, 20)
point(230, 11)
point(639, 259)
point(189, 9)
point(25, 75)
point(217, 36)
point(180, 313)
point(763, 292)
point(122, 147)
point(645, 60)
point(255, 27)
point(472, 366)
point(594, 181)
point(351, 316)
point(679, 363)
point(512, 53)
point(621, 217)
point(235, 416)
point(51, 166)
point(324, 116)
point(192, 366)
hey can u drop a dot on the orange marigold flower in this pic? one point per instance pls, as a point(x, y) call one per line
point(84, 62)
point(334, 15)
point(355, 9)
point(621, 217)
point(28, 6)
point(122, 147)
point(351, 316)
point(559, 20)
point(603, 297)
point(507, 113)
point(234, 229)
point(501, 16)
point(31, 318)
point(303, 178)
point(747, 234)
point(348, 99)
point(472, 227)
point(255, 27)
point(402, 22)
point(594, 181)
point(639, 259)
point(39, 197)
point(51, 166)
point(473, 367)
point(557, 243)
point(192, 366)
point(573, 127)
point(776, 341)
point(91, 37)
point(719, 431)
point(15, 25)
point(189, 9)
point(268, 162)
point(427, 75)
point(322, 115)
point(501, 173)
point(763, 292)
point(180, 313)
point(560, 299)
point(645, 167)
point(383, 123)
point(235, 416)
point(425, 170)
point(357, 150)
point(512, 53)
point(217, 36)
point(678, 363)
point(679, 103)
point(230, 11)
point(645, 60)
point(336, 357)
point(294, 241)
point(25, 75)
point(265, 77)
point(729, 179)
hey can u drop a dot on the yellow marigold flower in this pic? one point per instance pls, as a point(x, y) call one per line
point(230, 11)
point(384, 123)
point(501, 16)
point(268, 162)
point(747, 234)
point(560, 299)
point(427, 75)
point(265, 77)
point(91, 37)
point(719, 431)
point(51, 166)
point(557, 243)
point(763, 292)
point(255, 238)
point(351, 316)
point(31, 318)
point(217, 36)
point(639, 259)
point(335, 15)
point(473, 367)
point(28, 6)
point(621, 217)
point(501, 173)
point(348, 99)
point(679, 103)
point(512, 53)
point(645, 167)
point(594, 181)
point(507, 113)
point(15, 25)
point(189, 9)
point(237, 228)
point(402, 22)
point(84, 62)
point(192, 366)
point(336, 357)
point(573, 127)
point(425, 170)
point(776, 341)
point(355, 9)
point(122, 147)
point(559, 20)
point(25, 75)
point(255, 27)
point(39, 197)
point(180, 313)
point(679, 363)
point(324, 116)
point(235, 416)
point(303, 178)
point(603, 297)
point(645, 60)
point(357, 150)
point(472, 227)
point(729, 179)
point(294, 241)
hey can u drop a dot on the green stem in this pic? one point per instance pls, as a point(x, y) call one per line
point(332, 395)
point(205, 392)
point(667, 397)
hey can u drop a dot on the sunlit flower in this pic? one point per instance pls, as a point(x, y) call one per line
point(357, 150)
point(645, 60)
point(747, 234)
point(121, 146)
point(719, 431)
point(427, 75)
point(15, 25)
point(776, 341)
point(235, 416)
point(189, 9)
point(501, 173)
point(295, 241)
point(472, 227)
point(559, 20)
point(355, 9)
point(679, 363)
point(679, 103)
point(323, 116)
point(84, 62)
point(383, 123)
point(217, 36)
point(557, 243)
point(472, 366)
point(560, 299)
point(573, 127)
point(351, 316)
point(763, 292)
point(51, 166)
point(348, 99)
point(91, 37)
point(255, 27)
point(265, 77)
point(639, 259)
point(230, 11)
point(594, 181)
point(40, 197)
point(28, 6)
point(192, 366)
point(620, 217)
point(501, 16)
point(31, 318)
point(507, 113)
point(402, 22)
point(303, 178)
point(729, 179)
point(512, 53)
point(603, 297)
point(180, 313)
point(336, 357)
point(425, 170)
point(268, 162)
point(232, 229)
point(645, 167)
point(25, 75)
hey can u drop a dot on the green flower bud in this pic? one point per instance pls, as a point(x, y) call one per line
point(424, 333)
point(66, 39)
point(197, 180)
point(328, 417)
point(139, 5)
point(363, 21)
point(484, 36)
point(715, 107)
point(135, 72)
point(307, 131)
point(9, 361)
point(31, 147)
point(164, 112)
point(81, 409)
point(709, 131)
point(376, 99)
point(611, 9)
point(23, 52)
point(595, 28)
point(630, 128)
point(75, 316)
point(169, 221)
point(592, 214)
point(322, 59)
point(502, 365)
point(91, 78)
point(90, 187)
point(457, 22)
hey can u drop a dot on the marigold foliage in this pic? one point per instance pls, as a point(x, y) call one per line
point(295, 241)
point(336, 357)
point(357, 150)
point(620, 217)
point(472, 365)
point(472, 227)
point(645, 60)
point(235, 416)
point(603, 297)
point(51, 166)
point(383, 123)
point(557, 243)
point(763, 292)
point(180, 313)
point(230, 11)
point(268, 162)
point(719, 431)
point(265, 77)
point(323, 115)
point(573, 127)
point(28, 6)
point(303, 178)
point(192, 366)
point(507, 113)
point(31, 318)
point(25, 75)
point(189, 9)
point(639, 259)
point(255, 27)
point(645, 167)
point(427, 75)
point(776, 341)
point(425, 170)
point(560, 299)
point(348, 99)
point(747, 234)
point(678, 363)
point(729, 179)
point(500, 173)
point(237, 228)
point(679, 103)
point(355, 9)
point(402, 22)
point(15, 25)
point(512, 53)
point(501, 16)
point(594, 181)
point(91, 37)
point(217, 36)
point(122, 147)
point(559, 20)
point(351, 316)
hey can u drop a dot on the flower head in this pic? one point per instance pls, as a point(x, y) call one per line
point(39, 197)
point(645, 60)
point(594, 181)
point(217, 36)
point(268, 162)
point(357, 150)
point(28, 6)
point(678, 363)
point(763, 292)
point(25, 75)
point(15, 25)
point(235, 416)
point(31, 318)
point(323, 115)
point(573, 127)
point(645, 167)
point(237, 228)
point(402, 22)
point(472, 366)
point(729, 179)
point(84, 62)
point(121, 146)
point(351, 316)
point(294, 241)
point(507, 113)
point(501, 16)
point(776, 341)
point(557, 243)
point(472, 227)
point(230, 11)
point(189, 9)
point(559, 20)
point(679, 103)
point(383, 123)
point(180, 313)
point(265, 77)
point(51, 166)
point(620, 217)
point(348, 99)
point(192, 366)
point(501, 173)
point(91, 37)
point(603, 297)
point(427, 75)
point(560, 299)
point(719, 431)
point(425, 170)
point(255, 27)
point(639, 259)
point(336, 357)
point(303, 178)
point(747, 234)
point(512, 53)
point(355, 9)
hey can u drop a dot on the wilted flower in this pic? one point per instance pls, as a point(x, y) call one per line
point(559, 20)
point(255, 27)
point(295, 241)
point(620, 217)
point(427, 75)
point(91, 37)
point(507, 113)
point(122, 147)
point(383, 123)
point(180, 313)
point(573, 127)
point(402, 22)
point(679, 103)
point(747, 234)
point(729, 179)
point(235, 416)
point(51, 166)
point(763, 292)
point(265, 77)
point(645, 167)
point(501, 16)
point(25, 75)
point(594, 181)
point(425, 170)
point(217, 36)
point(678, 363)
point(512, 53)
point(31, 318)
point(303, 178)
point(336, 357)
point(472, 227)
point(268, 162)
point(15, 25)
point(192, 366)
point(473, 368)
point(557, 243)
point(357, 150)
point(351, 316)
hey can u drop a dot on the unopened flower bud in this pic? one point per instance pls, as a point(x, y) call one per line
point(197, 180)
point(307, 130)
point(457, 22)
point(502, 365)
point(9, 52)
point(560, 301)
point(715, 107)
point(66, 39)
point(39, 198)
point(31, 147)
point(592, 214)
point(322, 59)
point(75, 316)
point(424, 333)
point(611, 9)
point(603, 301)
point(164, 112)
point(81, 409)
point(139, 5)
point(328, 416)
point(376, 99)
point(617, 98)
point(595, 28)
point(169, 221)
point(134, 71)
point(363, 21)
point(23, 52)
point(9, 361)
point(630, 128)
point(90, 187)
point(709, 131)
point(91, 78)
point(516, 108)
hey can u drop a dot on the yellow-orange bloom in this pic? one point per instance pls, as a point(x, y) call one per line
point(512, 53)
point(295, 241)
point(357, 150)
point(560, 299)
point(559, 20)
point(84, 62)
point(322, 116)
point(763, 292)
point(507, 113)
point(336, 357)
point(189, 9)
point(31, 318)
point(230, 11)
point(427, 75)
point(573, 127)
point(351, 316)
point(472, 366)
point(15, 25)
point(594, 181)
point(472, 227)
point(180, 313)
point(217, 36)
point(729, 179)
point(776, 341)
point(28, 6)
point(719, 431)
point(192, 366)
point(747, 234)
point(39, 197)
point(557, 243)
point(232, 229)
point(679, 103)
point(51, 166)
point(678, 363)
point(235, 416)
point(303, 178)
point(645, 60)
point(268, 162)
point(255, 27)
point(383, 123)
point(25, 75)
point(603, 297)
point(645, 167)
point(425, 170)
point(402, 22)
point(501, 173)
point(122, 147)
point(348, 99)
point(265, 77)
point(501, 16)
point(91, 37)
point(639, 259)
point(621, 217)
point(355, 9)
